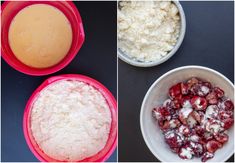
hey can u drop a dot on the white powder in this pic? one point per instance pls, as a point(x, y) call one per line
point(147, 30)
point(185, 112)
point(187, 104)
point(70, 120)
point(186, 152)
point(191, 121)
point(194, 138)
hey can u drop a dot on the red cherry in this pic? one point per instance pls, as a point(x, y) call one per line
point(196, 116)
point(212, 98)
point(184, 130)
point(221, 137)
point(206, 156)
point(200, 90)
point(228, 105)
point(184, 88)
point(175, 150)
point(161, 113)
point(171, 124)
point(185, 153)
point(197, 149)
point(199, 103)
point(192, 81)
point(227, 123)
point(213, 145)
point(219, 92)
point(199, 130)
point(223, 114)
point(175, 90)
point(208, 84)
point(173, 139)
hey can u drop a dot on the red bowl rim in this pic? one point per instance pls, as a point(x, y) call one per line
point(46, 71)
point(112, 140)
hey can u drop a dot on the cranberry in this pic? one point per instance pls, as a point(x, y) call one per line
point(221, 137)
point(173, 139)
point(184, 88)
point(212, 98)
point(227, 123)
point(175, 91)
point(213, 145)
point(206, 156)
point(199, 103)
point(219, 92)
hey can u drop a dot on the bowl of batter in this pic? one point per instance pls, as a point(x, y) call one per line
point(40, 38)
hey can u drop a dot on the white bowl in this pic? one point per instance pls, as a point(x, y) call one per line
point(135, 62)
point(155, 96)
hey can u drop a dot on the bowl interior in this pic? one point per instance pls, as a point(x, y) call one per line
point(10, 9)
point(110, 146)
point(138, 63)
point(158, 93)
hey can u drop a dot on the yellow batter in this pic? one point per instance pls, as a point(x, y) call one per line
point(40, 36)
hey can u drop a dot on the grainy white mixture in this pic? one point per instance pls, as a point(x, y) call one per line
point(70, 120)
point(147, 30)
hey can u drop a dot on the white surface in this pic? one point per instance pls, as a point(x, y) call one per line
point(70, 120)
point(156, 95)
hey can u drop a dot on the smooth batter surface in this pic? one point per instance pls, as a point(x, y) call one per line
point(40, 35)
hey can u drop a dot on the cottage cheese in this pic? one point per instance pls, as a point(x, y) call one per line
point(70, 120)
point(147, 30)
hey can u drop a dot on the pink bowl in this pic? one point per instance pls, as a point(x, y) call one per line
point(11, 8)
point(111, 144)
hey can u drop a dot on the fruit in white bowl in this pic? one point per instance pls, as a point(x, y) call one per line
point(195, 119)
point(158, 93)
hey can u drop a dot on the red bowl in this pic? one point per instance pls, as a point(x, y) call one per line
point(111, 144)
point(11, 8)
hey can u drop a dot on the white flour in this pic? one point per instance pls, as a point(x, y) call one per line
point(70, 120)
point(147, 30)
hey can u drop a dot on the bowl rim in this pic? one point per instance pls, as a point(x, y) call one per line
point(104, 153)
point(78, 42)
point(180, 39)
point(155, 83)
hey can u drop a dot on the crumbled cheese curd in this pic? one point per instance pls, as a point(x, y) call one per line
point(147, 30)
point(70, 120)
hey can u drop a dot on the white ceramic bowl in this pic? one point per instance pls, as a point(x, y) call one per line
point(135, 62)
point(155, 96)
